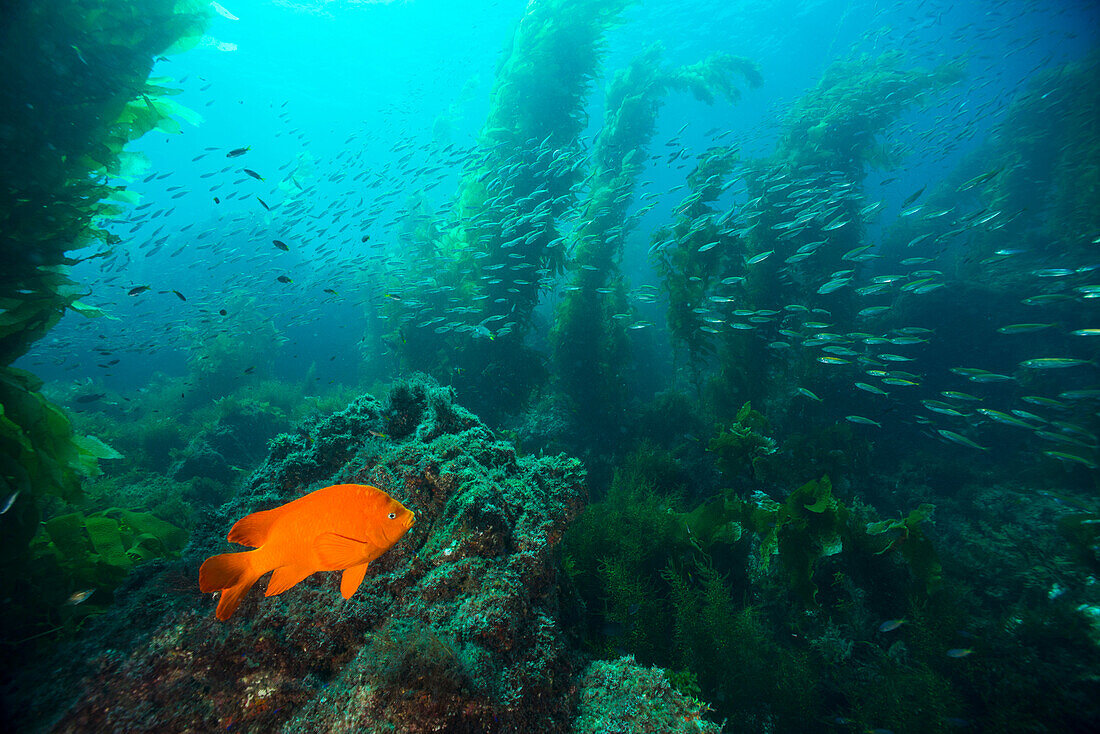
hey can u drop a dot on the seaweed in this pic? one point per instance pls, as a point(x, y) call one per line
point(69, 570)
point(588, 337)
point(690, 255)
point(743, 446)
point(38, 437)
point(721, 591)
point(809, 526)
point(99, 549)
point(734, 653)
point(906, 536)
point(505, 215)
point(753, 261)
point(67, 125)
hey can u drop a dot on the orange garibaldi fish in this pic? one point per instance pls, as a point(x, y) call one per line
point(344, 527)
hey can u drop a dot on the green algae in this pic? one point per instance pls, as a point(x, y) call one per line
point(38, 437)
point(690, 255)
point(537, 99)
point(709, 588)
point(99, 549)
point(623, 697)
point(759, 593)
point(66, 126)
point(589, 336)
point(744, 445)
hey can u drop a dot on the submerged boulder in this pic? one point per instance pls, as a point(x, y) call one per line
point(455, 629)
point(201, 459)
point(238, 437)
point(623, 697)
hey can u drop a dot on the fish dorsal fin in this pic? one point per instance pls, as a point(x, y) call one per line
point(352, 578)
point(339, 551)
point(252, 530)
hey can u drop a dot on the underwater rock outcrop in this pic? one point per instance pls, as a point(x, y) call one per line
point(623, 697)
point(456, 628)
point(201, 460)
point(240, 435)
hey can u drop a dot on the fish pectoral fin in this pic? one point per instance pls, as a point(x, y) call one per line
point(339, 551)
point(352, 578)
point(285, 577)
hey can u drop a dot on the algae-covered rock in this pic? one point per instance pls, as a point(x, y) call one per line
point(456, 628)
point(623, 697)
point(200, 459)
point(238, 436)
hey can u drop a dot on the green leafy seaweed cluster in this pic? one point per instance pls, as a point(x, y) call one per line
point(70, 570)
point(99, 549)
point(42, 454)
point(723, 590)
point(66, 125)
point(743, 446)
point(76, 90)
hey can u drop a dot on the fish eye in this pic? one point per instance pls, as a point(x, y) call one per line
point(393, 515)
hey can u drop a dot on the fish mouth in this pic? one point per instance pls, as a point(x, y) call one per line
point(405, 525)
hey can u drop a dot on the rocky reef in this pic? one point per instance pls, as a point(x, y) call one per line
point(457, 628)
point(623, 697)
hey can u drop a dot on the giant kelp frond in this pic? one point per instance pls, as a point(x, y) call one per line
point(541, 84)
point(716, 75)
point(501, 244)
point(38, 437)
point(589, 334)
point(835, 123)
point(68, 118)
point(74, 91)
point(696, 251)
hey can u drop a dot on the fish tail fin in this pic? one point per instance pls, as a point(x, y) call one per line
point(231, 573)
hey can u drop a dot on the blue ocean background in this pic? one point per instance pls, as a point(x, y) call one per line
point(343, 84)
